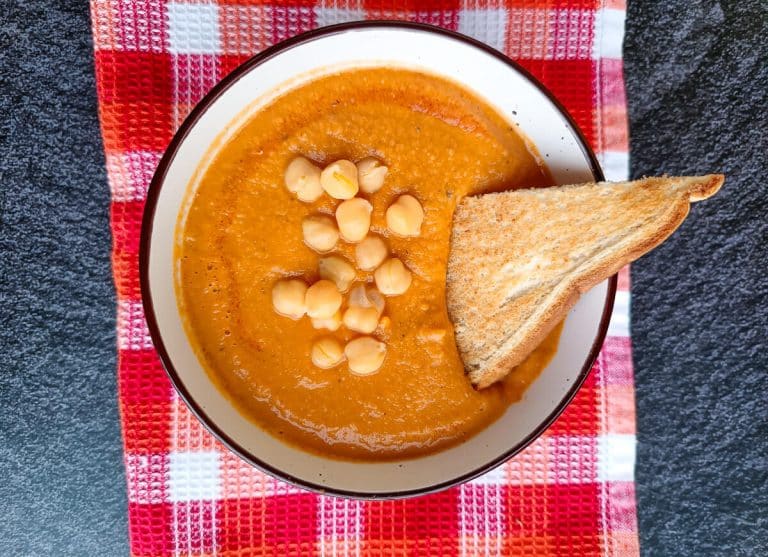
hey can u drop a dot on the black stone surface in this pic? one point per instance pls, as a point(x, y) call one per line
point(62, 486)
point(696, 78)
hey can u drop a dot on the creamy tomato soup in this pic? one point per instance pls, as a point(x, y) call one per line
point(243, 234)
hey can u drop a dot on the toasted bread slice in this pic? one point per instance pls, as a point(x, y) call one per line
point(519, 260)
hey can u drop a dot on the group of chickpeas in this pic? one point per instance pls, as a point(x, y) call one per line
point(322, 301)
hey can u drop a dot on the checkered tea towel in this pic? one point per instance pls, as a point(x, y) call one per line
point(570, 493)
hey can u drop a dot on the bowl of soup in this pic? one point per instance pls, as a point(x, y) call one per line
point(317, 348)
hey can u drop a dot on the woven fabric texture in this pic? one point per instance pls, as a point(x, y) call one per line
point(570, 493)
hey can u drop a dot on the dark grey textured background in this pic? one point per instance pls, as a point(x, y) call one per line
point(696, 75)
point(698, 94)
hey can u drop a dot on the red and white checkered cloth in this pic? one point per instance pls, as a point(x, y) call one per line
point(570, 493)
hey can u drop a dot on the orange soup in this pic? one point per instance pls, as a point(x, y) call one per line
point(243, 233)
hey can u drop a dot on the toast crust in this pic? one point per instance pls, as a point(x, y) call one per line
point(474, 221)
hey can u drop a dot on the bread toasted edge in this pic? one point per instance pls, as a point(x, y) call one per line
point(568, 292)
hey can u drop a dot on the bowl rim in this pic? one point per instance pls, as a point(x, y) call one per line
point(145, 241)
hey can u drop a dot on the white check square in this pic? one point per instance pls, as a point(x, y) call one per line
point(194, 476)
point(193, 29)
point(616, 457)
point(488, 26)
point(331, 16)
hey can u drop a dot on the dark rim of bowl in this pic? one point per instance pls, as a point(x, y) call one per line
point(145, 245)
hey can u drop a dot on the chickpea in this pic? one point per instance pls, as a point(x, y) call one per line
point(337, 270)
point(303, 179)
point(354, 219)
point(327, 353)
point(288, 298)
point(363, 297)
point(320, 233)
point(375, 297)
point(365, 307)
point(404, 216)
point(361, 320)
point(339, 179)
point(323, 299)
point(392, 278)
point(331, 323)
point(365, 355)
point(371, 174)
point(370, 253)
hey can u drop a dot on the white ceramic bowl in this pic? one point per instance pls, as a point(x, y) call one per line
point(491, 76)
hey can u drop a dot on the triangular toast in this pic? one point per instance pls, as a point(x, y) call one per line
point(520, 259)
